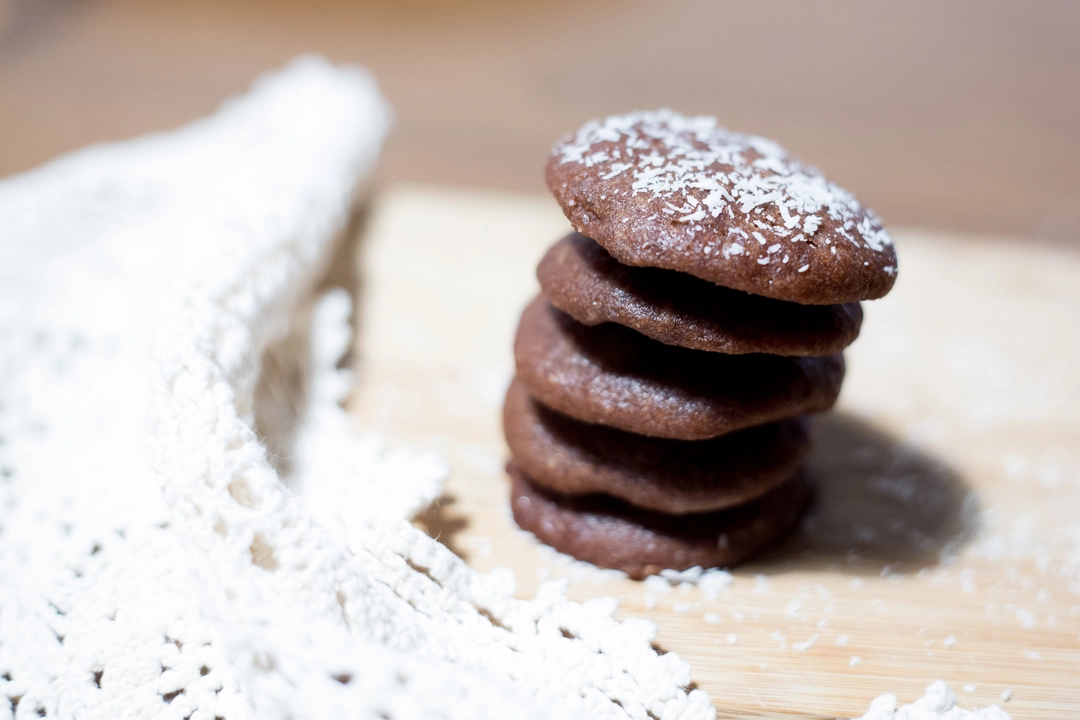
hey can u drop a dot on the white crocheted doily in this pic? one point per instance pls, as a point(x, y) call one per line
point(188, 526)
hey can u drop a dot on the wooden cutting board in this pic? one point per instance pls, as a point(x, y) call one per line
point(945, 542)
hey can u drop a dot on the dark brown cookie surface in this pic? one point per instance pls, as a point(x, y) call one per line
point(659, 189)
point(566, 456)
point(583, 280)
point(609, 533)
point(614, 376)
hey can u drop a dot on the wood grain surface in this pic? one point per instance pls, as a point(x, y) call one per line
point(961, 115)
point(945, 542)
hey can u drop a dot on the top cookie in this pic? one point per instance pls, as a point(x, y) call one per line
point(658, 189)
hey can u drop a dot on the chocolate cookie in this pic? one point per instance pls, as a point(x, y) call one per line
point(583, 280)
point(610, 533)
point(614, 376)
point(658, 189)
point(563, 455)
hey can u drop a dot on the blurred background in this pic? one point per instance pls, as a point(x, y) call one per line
point(961, 115)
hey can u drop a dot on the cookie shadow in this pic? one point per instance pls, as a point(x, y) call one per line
point(878, 501)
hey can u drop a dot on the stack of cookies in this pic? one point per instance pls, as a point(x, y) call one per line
point(683, 332)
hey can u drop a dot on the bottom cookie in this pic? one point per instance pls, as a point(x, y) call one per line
point(610, 533)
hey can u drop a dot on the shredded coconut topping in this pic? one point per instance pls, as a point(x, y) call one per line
point(702, 170)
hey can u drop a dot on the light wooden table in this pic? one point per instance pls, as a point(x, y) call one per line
point(946, 539)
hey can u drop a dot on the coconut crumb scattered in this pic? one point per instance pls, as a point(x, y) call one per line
point(657, 584)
